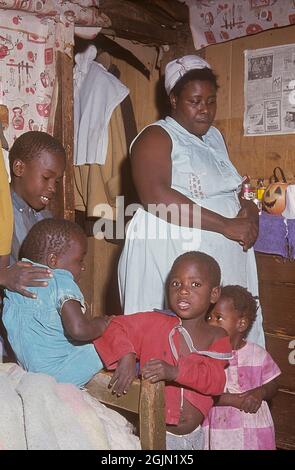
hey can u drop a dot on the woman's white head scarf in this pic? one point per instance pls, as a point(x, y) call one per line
point(177, 68)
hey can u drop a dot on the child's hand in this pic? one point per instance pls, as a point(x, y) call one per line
point(23, 274)
point(251, 400)
point(123, 375)
point(156, 370)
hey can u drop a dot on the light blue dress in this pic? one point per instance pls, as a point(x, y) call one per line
point(202, 171)
point(36, 333)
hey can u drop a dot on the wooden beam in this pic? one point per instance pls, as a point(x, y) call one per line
point(135, 21)
point(140, 32)
point(98, 388)
point(173, 9)
point(143, 398)
point(152, 427)
point(63, 204)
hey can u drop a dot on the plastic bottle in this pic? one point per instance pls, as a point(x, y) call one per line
point(260, 188)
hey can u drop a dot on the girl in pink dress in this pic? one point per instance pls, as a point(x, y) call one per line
point(241, 419)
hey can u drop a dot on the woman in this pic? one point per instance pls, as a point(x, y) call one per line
point(182, 162)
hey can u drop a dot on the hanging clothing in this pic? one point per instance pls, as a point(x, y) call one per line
point(96, 94)
point(98, 185)
point(202, 171)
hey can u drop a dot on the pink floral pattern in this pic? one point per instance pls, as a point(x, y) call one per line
point(215, 21)
point(28, 46)
point(80, 12)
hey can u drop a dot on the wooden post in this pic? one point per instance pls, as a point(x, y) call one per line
point(152, 416)
point(63, 205)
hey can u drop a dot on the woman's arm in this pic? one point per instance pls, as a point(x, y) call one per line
point(152, 173)
point(78, 326)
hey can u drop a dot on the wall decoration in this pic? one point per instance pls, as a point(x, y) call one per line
point(269, 89)
point(28, 47)
point(215, 21)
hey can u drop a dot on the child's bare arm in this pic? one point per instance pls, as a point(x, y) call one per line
point(78, 326)
point(252, 399)
point(229, 399)
point(156, 370)
point(124, 374)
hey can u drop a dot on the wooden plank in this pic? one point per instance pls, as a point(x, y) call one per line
point(278, 300)
point(276, 277)
point(176, 10)
point(63, 205)
point(143, 398)
point(275, 268)
point(134, 22)
point(283, 411)
point(278, 347)
point(140, 32)
point(98, 388)
point(152, 416)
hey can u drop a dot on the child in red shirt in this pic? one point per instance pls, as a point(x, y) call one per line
point(179, 347)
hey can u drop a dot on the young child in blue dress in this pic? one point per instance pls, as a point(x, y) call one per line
point(52, 333)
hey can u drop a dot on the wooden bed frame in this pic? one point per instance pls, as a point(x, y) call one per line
point(144, 399)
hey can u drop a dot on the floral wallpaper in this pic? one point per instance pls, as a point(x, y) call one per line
point(31, 33)
point(28, 46)
point(81, 12)
point(215, 21)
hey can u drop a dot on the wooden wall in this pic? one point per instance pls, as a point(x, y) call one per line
point(255, 156)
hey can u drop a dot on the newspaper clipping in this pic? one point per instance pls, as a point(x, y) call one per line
point(270, 91)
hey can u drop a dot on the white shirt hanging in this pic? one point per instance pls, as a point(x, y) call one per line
point(96, 94)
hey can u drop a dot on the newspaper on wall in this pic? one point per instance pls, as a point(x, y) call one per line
point(269, 90)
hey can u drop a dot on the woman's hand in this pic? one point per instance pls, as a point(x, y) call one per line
point(23, 274)
point(243, 230)
point(156, 370)
point(249, 210)
point(123, 375)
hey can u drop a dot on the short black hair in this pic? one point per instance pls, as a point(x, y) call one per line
point(208, 261)
point(244, 302)
point(203, 75)
point(49, 236)
point(31, 144)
